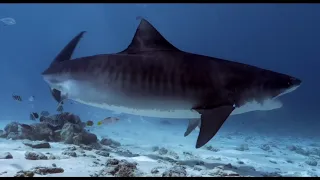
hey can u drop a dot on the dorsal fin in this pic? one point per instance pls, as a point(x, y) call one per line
point(147, 38)
point(68, 50)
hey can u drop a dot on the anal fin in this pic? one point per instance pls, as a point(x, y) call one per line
point(193, 123)
point(211, 122)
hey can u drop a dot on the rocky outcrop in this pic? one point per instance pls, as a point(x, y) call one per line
point(35, 156)
point(11, 131)
point(69, 153)
point(102, 153)
point(119, 168)
point(6, 155)
point(175, 171)
point(298, 150)
point(3, 134)
point(311, 162)
point(68, 131)
point(65, 127)
point(12, 127)
point(39, 170)
point(24, 174)
point(47, 170)
point(242, 147)
point(37, 145)
point(85, 138)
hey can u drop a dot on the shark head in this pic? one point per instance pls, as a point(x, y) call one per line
point(264, 88)
point(57, 84)
point(57, 80)
point(276, 84)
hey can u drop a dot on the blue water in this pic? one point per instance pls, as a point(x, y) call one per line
point(280, 37)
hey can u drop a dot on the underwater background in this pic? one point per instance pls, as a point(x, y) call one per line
point(280, 37)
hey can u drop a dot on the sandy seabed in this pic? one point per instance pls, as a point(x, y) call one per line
point(161, 152)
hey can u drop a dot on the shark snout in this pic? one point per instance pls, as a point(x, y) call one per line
point(295, 81)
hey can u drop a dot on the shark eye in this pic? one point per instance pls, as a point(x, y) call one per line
point(290, 82)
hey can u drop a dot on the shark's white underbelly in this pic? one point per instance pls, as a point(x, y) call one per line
point(146, 112)
point(184, 114)
point(80, 93)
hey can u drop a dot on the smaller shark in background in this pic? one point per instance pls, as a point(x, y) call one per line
point(153, 78)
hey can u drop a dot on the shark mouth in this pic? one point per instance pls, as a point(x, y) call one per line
point(287, 91)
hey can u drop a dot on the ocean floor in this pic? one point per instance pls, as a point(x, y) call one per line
point(161, 150)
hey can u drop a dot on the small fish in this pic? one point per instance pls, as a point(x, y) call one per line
point(34, 116)
point(60, 108)
point(17, 97)
point(89, 123)
point(44, 113)
point(8, 21)
point(31, 98)
point(108, 120)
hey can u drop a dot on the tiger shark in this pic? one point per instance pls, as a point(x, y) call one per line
point(153, 78)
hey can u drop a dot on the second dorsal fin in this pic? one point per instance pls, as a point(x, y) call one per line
point(147, 38)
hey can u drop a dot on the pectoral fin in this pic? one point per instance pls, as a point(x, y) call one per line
point(211, 122)
point(58, 96)
point(193, 123)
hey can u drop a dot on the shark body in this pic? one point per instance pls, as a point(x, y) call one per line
point(151, 77)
